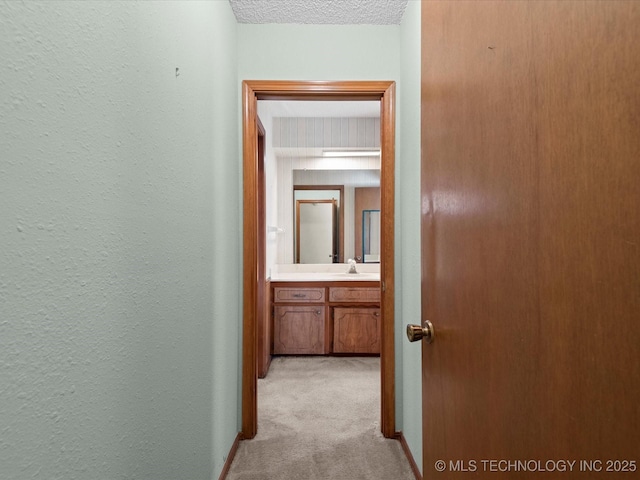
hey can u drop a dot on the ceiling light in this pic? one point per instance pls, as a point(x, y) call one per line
point(351, 153)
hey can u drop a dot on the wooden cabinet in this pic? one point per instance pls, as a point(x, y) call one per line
point(299, 320)
point(313, 318)
point(356, 330)
point(298, 294)
point(299, 329)
point(354, 294)
point(356, 319)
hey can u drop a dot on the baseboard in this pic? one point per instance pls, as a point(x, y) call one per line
point(405, 447)
point(232, 453)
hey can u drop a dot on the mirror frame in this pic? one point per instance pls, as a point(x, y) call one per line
point(334, 226)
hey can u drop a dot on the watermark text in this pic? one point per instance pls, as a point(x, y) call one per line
point(531, 465)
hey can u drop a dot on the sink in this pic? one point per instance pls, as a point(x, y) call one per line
point(357, 276)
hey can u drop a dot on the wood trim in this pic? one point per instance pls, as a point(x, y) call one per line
point(387, 275)
point(263, 314)
point(318, 90)
point(252, 90)
point(250, 263)
point(297, 234)
point(299, 204)
point(407, 451)
point(232, 453)
point(265, 334)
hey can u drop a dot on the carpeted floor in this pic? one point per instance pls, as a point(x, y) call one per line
point(318, 418)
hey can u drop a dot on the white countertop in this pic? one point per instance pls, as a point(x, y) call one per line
point(325, 277)
point(336, 272)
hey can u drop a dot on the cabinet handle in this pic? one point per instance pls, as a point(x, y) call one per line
point(299, 295)
point(317, 312)
point(376, 314)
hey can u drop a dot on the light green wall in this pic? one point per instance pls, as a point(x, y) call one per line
point(409, 200)
point(318, 52)
point(227, 234)
point(119, 291)
point(120, 274)
point(365, 52)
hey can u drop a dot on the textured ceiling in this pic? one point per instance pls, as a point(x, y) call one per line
point(327, 12)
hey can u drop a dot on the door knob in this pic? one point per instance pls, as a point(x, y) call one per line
point(417, 332)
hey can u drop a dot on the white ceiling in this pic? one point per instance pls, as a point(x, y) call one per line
point(320, 12)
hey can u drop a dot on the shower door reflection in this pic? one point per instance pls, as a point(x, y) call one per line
point(371, 236)
point(316, 231)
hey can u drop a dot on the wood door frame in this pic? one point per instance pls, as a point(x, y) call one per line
point(252, 91)
point(298, 222)
point(339, 188)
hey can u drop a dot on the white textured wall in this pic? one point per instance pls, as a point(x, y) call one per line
point(118, 348)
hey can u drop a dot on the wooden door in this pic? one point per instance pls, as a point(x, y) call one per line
point(531, 239)
point(316, 231)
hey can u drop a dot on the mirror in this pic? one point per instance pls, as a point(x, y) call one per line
point(359, 190)
point(299, 136)
point(371, 236)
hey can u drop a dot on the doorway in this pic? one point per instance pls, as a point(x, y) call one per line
point(253, 249)
point(324, 193)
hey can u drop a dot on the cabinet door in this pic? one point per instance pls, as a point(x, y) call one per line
point(356, 330)
point(298, 329)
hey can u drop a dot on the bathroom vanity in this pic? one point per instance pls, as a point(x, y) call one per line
point(325, 317)
point(323, 313)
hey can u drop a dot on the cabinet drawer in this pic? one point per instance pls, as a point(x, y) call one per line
point(354, 294)
point(309, 295)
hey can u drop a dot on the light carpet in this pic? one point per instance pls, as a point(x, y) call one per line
point(319, 418)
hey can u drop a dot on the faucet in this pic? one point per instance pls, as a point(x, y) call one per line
point(352, 266)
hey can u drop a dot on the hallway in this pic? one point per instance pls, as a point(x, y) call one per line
point(319, 419)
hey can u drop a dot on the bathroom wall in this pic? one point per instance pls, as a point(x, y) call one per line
point(120, 203)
